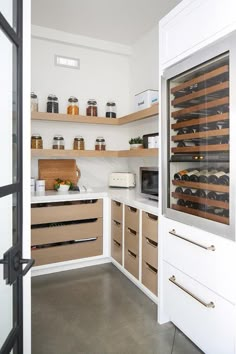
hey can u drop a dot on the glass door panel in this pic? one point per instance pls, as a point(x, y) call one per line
point(198, 104)
point(8, 9)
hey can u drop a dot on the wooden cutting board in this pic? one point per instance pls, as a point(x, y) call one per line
point(49, 170)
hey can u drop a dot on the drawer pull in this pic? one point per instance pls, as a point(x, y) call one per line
point(117, 223)
point(132, 209)
point(209, 305)
point(131, 231)
point(151, 216)
point(151, 268)
point(151, 243)
point(117, 203)
point(116, 243)
point(208, 248)
point(131, 254)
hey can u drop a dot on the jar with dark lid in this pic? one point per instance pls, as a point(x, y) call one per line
point(100, 144)
point(34, 102)
point(52, 104)
point(78, 143)
point(58, 142)
point(73, 106)
point(111, 109)
point(92, 109)
point(36, 141)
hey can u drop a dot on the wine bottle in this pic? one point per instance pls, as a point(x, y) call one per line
point(195, 177)
point(224, 179)
point(181, 202)
point(201, 193)
point(185, 130)
point(204, 175)
point(226, 213)
point(179, 190)
point(186, 176)
point(214, 178)
point(179, 174)
point(190, 191)
point(188, 143)
point(224, 197)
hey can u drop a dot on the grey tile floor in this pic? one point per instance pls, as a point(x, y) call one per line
point(97, 310)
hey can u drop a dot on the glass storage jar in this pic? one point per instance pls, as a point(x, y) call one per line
point(111, 109)
point(52, 104)
point(92, 109)
point(58, 142)
point(34, 102)
point(73, 106)
point(36, 141)
point(100, 144)
point(78, 143)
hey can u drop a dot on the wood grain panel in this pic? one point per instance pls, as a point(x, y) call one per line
point(205, 186)
point(202, 214)
point(149, 277)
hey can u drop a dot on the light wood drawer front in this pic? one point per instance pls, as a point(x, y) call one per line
point(132, 263)
point(52, 214)
point(205, 257)
point(132, 218)
point(132, 240)
point(150, 226)
point(116, 250)
point(66, 233)
point(150, 251)
point(212, 329)
point(116, 230)
point(68, 252)
point(116, 210)
point(149, 277)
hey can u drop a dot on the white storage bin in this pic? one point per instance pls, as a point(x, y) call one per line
point(146, 99)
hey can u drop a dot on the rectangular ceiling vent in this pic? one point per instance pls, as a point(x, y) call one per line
point(72, 63)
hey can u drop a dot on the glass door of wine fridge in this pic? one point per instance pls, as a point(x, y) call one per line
point(197, 172)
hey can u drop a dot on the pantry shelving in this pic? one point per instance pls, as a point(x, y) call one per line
point(59, 117)
point(93, 153)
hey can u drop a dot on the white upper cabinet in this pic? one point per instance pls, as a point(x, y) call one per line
point(192, 25)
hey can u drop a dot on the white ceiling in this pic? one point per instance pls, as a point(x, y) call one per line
point(121, 21)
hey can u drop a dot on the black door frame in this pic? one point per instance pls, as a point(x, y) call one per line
point(15, 337)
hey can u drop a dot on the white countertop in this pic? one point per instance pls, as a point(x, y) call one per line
point(126, 196)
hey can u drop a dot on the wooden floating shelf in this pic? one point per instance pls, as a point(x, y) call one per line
point(202, 214)
point(59, 117)
point(206, 201)
point(205, 186)
point(199, 121)
point(198, 135)
point(200, 149)
point(93, 153)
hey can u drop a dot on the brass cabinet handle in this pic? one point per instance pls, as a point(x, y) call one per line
point(208, 248)
point(132, 209)
point(151, 216)
point(210, 305)
point(151, 243)
point(116, 243)
point(131, 254)
point(131, 231)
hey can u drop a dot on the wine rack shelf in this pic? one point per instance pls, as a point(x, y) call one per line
point(202, 214)
point(200, 149)
point(205, 186)
point(198, 135)
point(194, 199)
point(201, 121)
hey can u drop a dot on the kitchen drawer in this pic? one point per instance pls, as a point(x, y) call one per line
point(132, 263)
point(116, 230)
point(149, 277)
point(116, 210)
point(132, 240)
point(68, 252)
point(73, 211)
point(132, 218)
point(211, 328)
point(149, 251)
point(45, 235)
point(205, 257)
point(150, 226)
point(116, 250)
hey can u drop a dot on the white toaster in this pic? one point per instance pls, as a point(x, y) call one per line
point(122, 179)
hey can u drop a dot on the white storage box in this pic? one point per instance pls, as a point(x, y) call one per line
point(146, 99)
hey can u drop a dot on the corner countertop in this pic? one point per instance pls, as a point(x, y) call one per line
point(126, 196)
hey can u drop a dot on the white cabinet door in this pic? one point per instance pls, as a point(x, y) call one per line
point(192, 25)
point(211, 328)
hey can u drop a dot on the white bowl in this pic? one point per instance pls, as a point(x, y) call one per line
point(63, 188)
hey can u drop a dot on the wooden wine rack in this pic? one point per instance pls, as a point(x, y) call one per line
point(200, 149)
point(194, 199)
point(205, 186)
point(199, 135)
point(201, 121)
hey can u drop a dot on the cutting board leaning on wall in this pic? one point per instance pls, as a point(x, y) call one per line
point(50, 169)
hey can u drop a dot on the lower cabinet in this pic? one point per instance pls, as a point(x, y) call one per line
point(58, 236)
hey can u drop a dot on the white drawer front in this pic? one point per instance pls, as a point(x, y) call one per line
point(212, 329)
point(212, 266)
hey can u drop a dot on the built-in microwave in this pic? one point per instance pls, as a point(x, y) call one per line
point(149, 177)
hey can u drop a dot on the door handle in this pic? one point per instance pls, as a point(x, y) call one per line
point(30, 263)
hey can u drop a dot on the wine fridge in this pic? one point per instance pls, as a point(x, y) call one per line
point(197, 168)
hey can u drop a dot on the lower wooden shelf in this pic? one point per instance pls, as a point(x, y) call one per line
point(93, 153)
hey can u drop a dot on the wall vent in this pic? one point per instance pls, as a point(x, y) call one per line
point(72, 63)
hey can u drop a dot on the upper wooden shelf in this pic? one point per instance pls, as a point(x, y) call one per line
point(93, 153)
point(59, 117)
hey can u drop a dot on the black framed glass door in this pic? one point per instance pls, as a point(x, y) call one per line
point(11, 262)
